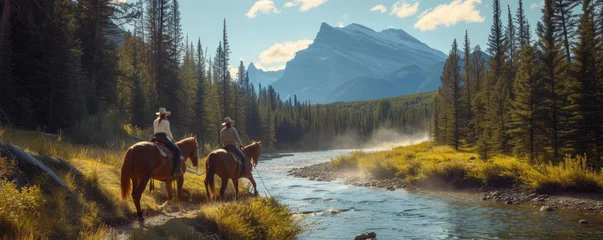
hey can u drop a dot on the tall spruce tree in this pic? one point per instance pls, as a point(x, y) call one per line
point(527, 107)
point(450, 97)
point(585, 92)
point(523, 26)
point(553, 69)
point(512, 41)
point(496, 41)
point(200, 114)
point(565, 21)
point(468, 85)
point(224, 71)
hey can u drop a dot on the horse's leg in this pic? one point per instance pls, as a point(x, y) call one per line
point(235, 182)
point(168, 189)
point(180, 182)
point(135, 183)
point(223, 187)
point(137, 194)
point(207, 191)
point(255, 188)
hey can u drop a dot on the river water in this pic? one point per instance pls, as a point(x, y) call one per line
point(333, 210)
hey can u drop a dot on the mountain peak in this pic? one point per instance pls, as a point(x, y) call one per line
point(252, 67)
point(356, 26)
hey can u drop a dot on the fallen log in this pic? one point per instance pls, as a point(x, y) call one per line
point(28, 163)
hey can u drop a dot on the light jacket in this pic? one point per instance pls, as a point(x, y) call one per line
point(163, 127)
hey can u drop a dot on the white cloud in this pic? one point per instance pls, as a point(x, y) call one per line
point(305, 4)
point(263, 6)
point(340, 24)
point(283, 52)
point(269, 69)
point(450, 14)
point(403, 9)
point(234, 72)
point(537, 5)
point(379, 8)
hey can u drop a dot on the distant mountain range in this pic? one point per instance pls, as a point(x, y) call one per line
point(259, 76)
point(357, 63)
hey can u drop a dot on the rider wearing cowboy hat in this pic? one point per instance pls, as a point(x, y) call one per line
point(161, 127)
point(229, 138)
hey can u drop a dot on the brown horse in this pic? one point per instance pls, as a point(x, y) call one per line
point(223, 163)
point(143, 162)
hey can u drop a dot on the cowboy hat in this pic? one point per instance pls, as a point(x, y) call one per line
point(227, 120)
point(163, 111)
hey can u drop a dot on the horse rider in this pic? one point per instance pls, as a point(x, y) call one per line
point(161, 127)
point(229, 138)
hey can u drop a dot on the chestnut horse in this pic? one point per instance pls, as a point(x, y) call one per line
point(223, 163)
point(143, 162)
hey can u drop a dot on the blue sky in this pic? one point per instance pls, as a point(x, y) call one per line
point(269, 32)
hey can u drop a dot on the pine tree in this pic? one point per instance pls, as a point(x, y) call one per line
point(553, 68)
point(96, 24)
point(450, 97)
point(527, 107)
point(239, 87)
point(512, 41)
point(523, 26)
point(200, 114)
point(468, 85)
point(585, 92)
point(224, 70)
point(496, 41)
point(565, 22)
point(499, 115)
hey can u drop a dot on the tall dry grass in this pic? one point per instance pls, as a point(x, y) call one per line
point(423, 164)
point(34, 208)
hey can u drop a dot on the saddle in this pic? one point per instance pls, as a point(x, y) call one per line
point(164, 151)
point(238, 161)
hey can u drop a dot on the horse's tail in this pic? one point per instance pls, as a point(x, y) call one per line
point(209, 175)
point(126, 171)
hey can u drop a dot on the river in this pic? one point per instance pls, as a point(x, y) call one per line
point(334, 210)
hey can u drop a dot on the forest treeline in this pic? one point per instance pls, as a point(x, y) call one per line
point(68, 66)
point(539, 98)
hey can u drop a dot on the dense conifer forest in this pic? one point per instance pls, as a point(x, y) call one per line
point(70, 67)
point(539, 98)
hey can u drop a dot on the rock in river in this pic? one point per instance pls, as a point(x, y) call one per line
point(583, 221)
point(366, 235)
point(546, 208)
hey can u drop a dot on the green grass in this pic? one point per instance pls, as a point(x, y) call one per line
point(35, 208)
point(442, 166)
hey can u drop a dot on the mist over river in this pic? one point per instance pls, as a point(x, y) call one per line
point(334, 210)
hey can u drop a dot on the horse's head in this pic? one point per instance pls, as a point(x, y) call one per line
point(253, 151)
point(189, 148)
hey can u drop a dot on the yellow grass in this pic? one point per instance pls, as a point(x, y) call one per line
point(257, 218)
point(421, 164)
point(41, 210)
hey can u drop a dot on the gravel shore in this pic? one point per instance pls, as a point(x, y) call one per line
point(584, 202)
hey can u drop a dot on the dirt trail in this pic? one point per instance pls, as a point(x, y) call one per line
point(125, 231)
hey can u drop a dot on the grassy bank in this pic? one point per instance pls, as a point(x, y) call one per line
point(441, 166)
point(256, 218)
point(32, 207)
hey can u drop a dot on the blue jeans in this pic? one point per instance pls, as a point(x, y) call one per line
point(239, 153)
point(172, 146)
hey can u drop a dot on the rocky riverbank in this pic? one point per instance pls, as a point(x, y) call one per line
point(585, 202)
